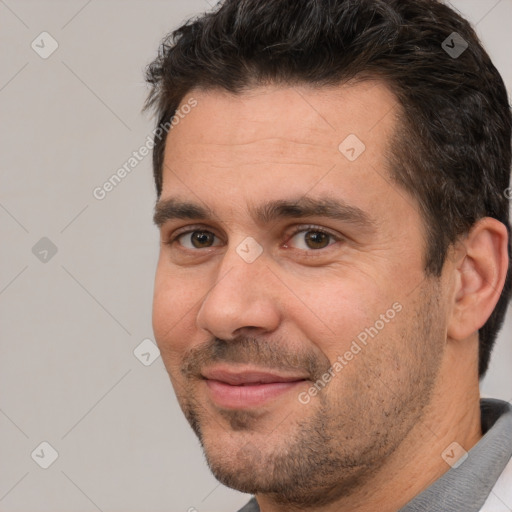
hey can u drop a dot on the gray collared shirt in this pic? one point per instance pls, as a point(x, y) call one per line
point(467, 486)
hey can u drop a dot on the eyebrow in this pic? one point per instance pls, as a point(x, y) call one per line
point(174, 208)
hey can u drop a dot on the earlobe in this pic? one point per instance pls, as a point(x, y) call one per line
point(480, 277)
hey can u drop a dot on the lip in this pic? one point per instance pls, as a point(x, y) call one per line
point(231, 389)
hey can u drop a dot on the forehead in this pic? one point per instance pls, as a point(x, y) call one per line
point(278, 141)
point(299, 113)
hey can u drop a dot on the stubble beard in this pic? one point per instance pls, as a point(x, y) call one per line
point(334, 444)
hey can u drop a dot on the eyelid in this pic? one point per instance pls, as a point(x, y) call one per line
point(189, 228)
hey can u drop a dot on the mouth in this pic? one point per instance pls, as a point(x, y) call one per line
point(231, 389)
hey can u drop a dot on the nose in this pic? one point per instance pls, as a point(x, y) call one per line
point(241, 298)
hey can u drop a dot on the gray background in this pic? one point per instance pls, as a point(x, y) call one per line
point(70, 322)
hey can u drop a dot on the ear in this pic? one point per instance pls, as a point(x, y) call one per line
point(480, 274)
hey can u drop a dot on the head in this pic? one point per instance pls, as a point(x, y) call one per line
point(350, 121)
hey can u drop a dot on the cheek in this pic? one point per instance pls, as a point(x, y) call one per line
point(333, 311)
point(173, 316)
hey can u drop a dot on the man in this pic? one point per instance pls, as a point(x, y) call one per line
point(334, 265)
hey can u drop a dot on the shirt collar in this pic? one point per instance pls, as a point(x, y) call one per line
point(467, 486)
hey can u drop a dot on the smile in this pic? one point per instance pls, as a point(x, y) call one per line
point(251, 388)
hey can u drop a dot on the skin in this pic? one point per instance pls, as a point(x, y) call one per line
point(373, 438)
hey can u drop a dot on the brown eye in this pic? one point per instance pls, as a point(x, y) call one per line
point(311, 239)
point(317, 239)
point(196, 239)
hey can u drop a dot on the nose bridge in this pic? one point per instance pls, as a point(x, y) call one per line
point(241, 295)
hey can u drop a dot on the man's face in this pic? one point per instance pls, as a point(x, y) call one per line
point(265, 296)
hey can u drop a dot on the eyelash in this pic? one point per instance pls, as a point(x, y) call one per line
point(316, 229)
point(298, 229)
